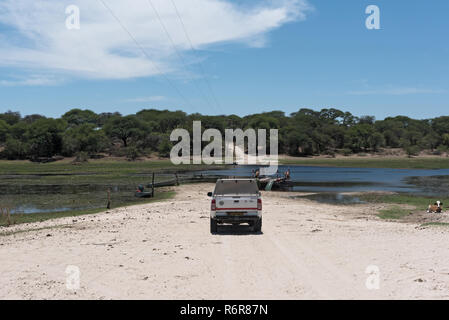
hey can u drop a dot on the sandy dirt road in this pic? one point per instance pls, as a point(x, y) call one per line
point(164, 251)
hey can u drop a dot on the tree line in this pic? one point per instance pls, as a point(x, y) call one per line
point(304, 133)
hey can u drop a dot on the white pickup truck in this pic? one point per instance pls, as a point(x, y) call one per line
point(236, 201)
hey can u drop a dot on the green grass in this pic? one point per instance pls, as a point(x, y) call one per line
point(39, 217)
point(436, 224)
point(110, 167)
point(398, 198)
point(97, 172)
point(362, 162)
point(8, 233)
point(99, 167)
point(396, 212)
point(105, 167)
point(82, 187)
point(393, 213)
point(417, 204)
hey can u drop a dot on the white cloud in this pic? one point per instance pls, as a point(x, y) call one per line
point(38, 40)
point(31, 80)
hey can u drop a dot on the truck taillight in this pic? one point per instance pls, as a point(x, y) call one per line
point(213, 207)
point(259, 204)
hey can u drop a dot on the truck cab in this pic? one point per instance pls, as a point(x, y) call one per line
point(236, 201)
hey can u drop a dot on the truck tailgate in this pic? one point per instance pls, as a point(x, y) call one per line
point(236, 203)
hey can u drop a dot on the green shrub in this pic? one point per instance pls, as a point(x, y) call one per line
point(165, 148)
point(132, 153)
point(15, 149)
point(393, 213)
point(412, 150)
point(81, 157)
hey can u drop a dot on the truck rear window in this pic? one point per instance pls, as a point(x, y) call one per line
point(236, 187)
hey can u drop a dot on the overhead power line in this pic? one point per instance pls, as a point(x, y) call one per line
point(180, 57)
point(148, 57)
point(196, 53)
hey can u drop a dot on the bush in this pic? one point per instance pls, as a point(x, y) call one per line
point(15, 149)
point(83, 138)
point(4, 129)
point(412, 150)
point(331, 153)
point(165, 148)
point(132, 153)
point(442, 149)
point(81, 157)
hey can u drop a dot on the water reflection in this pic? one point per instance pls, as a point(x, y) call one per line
point(336, 180)
point(332, 198)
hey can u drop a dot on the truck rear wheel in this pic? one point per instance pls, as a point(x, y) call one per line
point(213, 225)
point(257, 225)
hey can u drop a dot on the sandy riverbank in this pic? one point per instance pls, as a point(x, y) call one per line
point(164, 250)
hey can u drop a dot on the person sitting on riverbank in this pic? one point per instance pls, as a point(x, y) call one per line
point(287, 174)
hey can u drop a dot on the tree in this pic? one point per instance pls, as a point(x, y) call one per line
point(76, 117)
point(167, 120)
point(10, 117)
point(18, 130)
point(125, 128)
point(299, 143)
point(165, 147)
point(105, 116)
point(359, 137)
point(83, 138)
point(412, 150)
point(16, 149)
point(45, 137)
point(440, 125)
point(367, 120)
point(376, 141)
point(4, 130)
point(132, 153)
point(302, 133)
point(431, 141)
point(32, 117)
point(349, 120)
point(446, 139)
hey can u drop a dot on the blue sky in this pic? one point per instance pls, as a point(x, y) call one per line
point(255, 55)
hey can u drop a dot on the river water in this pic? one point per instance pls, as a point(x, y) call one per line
point(328, 182)
point(337, 180)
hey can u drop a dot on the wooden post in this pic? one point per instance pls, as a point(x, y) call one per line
point(8, 213)
point(177, 180)
point(109, 199)
point(152, 187)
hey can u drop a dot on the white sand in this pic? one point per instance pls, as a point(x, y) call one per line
point(164, 250)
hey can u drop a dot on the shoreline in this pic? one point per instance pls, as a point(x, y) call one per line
point(116, 171)
point(27, 218)
point(425, 162)
point(164, 250)
point(389, 201)
point(112, 164)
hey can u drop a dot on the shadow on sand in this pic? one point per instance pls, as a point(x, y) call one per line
point(240, 230)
